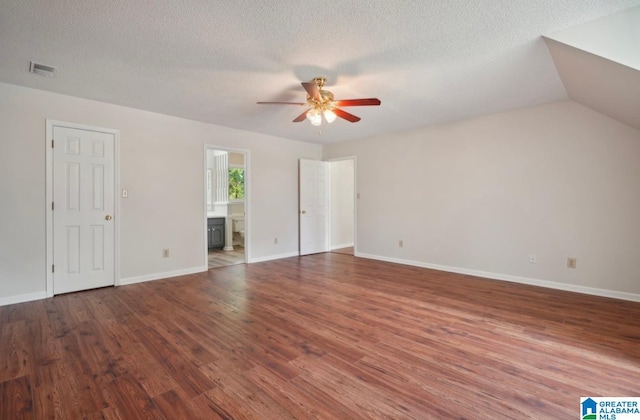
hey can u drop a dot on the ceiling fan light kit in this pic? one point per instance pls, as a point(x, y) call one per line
point(329, 115)
point(321, 103)
point(314, 116)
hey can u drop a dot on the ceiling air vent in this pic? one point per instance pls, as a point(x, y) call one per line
point(42, 70)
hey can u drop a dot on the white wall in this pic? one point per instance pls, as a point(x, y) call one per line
point(342, 211)
point(479, 196)
point(161, 164)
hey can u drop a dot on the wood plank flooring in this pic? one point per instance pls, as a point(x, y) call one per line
point(347, 251)
point(220, 258)
point(323, 336)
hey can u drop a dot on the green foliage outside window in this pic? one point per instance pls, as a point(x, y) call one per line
point(236, 184)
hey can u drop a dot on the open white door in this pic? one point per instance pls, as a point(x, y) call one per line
point(83, 207)
point(314, 206)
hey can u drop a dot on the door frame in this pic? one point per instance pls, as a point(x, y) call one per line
point(247, 199)
point(49, 197)
point(355, 199)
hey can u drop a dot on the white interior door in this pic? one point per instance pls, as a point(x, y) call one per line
point(314, 206)
point(83, 209)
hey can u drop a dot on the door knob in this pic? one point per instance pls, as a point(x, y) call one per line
point(108, 217)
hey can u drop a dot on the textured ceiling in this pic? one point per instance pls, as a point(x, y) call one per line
point(429, 61)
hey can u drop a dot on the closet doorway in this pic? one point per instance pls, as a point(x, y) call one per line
point(327, 206)
point(343, 205)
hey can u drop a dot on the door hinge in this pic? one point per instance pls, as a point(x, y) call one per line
point(52, 142)
point(53, 268)
point(52, 206)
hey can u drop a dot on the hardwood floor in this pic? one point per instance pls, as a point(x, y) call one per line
point(347, 251)
point(221, 258)
point(322, 336)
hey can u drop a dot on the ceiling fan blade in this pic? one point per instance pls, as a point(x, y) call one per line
point(301, 117)
point(345, 115)
point(312, 90)
point(281, 103)
point(358, 102)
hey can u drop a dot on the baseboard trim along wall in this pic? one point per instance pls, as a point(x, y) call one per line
point(10, 300)
point(159, 276)
point(272, 257)
point(515, 279)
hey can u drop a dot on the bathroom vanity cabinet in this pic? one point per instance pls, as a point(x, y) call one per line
point(215, 232)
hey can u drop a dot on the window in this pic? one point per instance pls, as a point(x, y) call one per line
point(236, 184)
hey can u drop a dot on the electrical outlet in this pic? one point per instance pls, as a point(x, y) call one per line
point(165, 253)
point(275, 241)
point(400, 243)
point(571, 262)
point(533, 259)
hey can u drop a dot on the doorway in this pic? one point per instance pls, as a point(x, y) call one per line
point(226, 206)
point(327, 206)
point(82, 218)
point(343, 205)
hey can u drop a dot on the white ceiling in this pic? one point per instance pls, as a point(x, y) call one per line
point(428, 61)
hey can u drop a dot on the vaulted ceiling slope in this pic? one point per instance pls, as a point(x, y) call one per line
point(599, 64)
point(428, 61)
point(603, 85)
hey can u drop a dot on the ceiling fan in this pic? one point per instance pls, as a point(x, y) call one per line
point(321, 103)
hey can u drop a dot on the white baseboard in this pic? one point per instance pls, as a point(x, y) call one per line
point(158, 276)
point(341, 246)
point(10, 300)
point(515, 279)
point(273, 257)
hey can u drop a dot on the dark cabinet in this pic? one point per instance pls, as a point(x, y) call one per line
point(215, 232)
